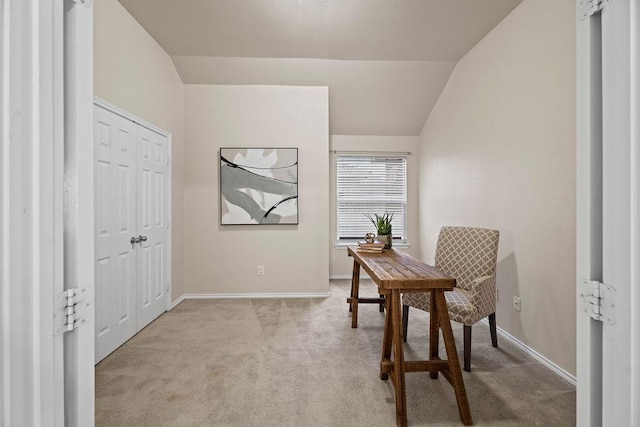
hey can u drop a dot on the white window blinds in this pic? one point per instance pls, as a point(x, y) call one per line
point(369, 184)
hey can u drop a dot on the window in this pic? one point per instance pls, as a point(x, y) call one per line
point(371, 184)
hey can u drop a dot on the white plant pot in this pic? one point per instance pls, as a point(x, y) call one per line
point(387, 239)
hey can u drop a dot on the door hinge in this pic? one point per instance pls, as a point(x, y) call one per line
point(72, 309)
point(598, 301)
point(587, 8)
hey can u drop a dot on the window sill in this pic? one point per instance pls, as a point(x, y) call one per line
point(343, 245)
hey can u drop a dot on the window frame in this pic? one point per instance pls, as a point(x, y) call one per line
point(398, 240)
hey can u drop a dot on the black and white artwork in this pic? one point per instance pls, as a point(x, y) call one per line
point(258, 186)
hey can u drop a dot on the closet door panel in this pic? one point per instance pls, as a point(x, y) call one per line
point(115, 224)
point(152, 224)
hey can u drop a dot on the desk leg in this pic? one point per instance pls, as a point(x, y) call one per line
point(452, 356)
point(398, 359)
point(434, 332)
point(355, 285)
point(387, 337)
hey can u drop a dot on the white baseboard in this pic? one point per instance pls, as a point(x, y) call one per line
point(535, 355)
point(176, 302)
point(260, 295)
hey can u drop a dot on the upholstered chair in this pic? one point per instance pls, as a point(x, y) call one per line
point(469, 255)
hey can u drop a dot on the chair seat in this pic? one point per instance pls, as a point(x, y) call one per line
point(459, 303)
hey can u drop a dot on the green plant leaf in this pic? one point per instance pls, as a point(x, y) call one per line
point(381, 222)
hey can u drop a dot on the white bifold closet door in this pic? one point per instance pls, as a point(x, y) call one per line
point(131, 228)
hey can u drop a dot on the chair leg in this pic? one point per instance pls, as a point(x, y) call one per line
point(492, 328)
point(405, 321)
point(467, 348)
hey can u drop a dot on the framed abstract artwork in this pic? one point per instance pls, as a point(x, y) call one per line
point(258, 186)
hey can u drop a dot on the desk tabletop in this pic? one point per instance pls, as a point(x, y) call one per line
point(394, 269)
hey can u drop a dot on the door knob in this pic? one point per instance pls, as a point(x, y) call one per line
point(138, 239)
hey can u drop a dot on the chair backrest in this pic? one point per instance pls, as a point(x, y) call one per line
point(467, 253)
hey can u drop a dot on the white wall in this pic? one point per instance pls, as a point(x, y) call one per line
point(367, 97)
point(224, 259)
point(340, 264)
point(133, 72)
point(498, 151)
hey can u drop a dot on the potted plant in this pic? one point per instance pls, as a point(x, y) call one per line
point(383, 227)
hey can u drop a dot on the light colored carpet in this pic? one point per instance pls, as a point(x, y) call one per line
point(298, 362)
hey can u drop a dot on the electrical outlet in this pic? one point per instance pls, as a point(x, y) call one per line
point(261, 270)
point(517, 306)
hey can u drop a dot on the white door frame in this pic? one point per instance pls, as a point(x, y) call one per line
point(635, 212)
point(589, 216)
point(608, 211)
point(46, 209)
point(79, 371)
point(31, 211)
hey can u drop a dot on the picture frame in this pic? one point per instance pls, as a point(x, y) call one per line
point(258, 186)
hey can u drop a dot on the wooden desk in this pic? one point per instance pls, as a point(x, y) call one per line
point(396, 272)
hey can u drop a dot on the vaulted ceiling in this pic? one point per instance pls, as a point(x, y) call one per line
point(385, 61)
